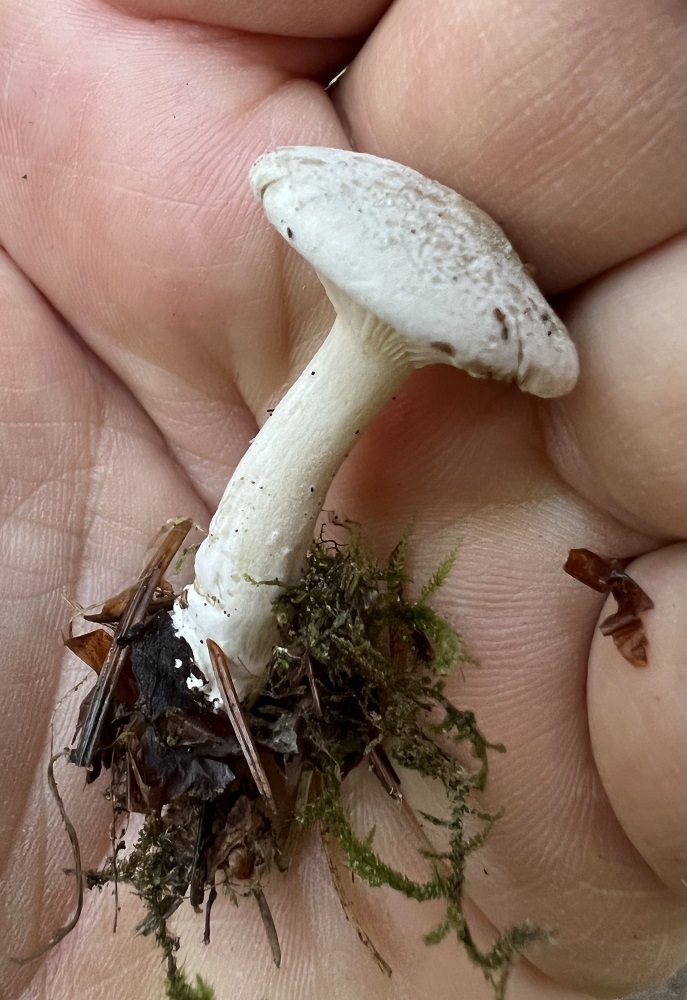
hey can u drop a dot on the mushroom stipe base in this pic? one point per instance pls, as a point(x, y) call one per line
point(358, 666)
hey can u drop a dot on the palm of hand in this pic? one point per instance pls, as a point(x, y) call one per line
point(174, 319)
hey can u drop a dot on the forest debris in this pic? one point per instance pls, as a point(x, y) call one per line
point(608, 576)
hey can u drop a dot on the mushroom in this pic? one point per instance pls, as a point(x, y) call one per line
point(417, 275)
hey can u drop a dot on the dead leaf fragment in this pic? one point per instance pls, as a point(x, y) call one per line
point(608, 576)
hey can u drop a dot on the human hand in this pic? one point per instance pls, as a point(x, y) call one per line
point(149, 319)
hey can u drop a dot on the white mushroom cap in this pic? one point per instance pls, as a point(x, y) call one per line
point(418, 275)
point(420, 258)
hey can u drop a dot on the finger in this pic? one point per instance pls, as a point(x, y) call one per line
point(125, 199)
point(620, 437)
point(569, 128)
point(558, 856)
point(64, 425)
point(638, 721)
point(308, 18)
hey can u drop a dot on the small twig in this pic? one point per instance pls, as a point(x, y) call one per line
point(313, 685)
point(208, 908)
point(268, 924)
point(197, 879)
point(58, 935)
point(383, 770)
point(225, 683)
point(332, 848)
point(284, 852)
point(135, 611)
point(115, 867)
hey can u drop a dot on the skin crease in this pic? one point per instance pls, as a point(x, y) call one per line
point(149, 317)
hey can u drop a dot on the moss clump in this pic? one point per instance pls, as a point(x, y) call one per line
point(376, 662)
point(159, 869)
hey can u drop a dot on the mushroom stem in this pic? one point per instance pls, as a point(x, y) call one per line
point(264, 524)
point(418, 276)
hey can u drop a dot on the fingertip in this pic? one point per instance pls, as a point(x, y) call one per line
point(638, 720)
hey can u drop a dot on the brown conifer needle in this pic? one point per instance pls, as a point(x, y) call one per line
point(220, 665)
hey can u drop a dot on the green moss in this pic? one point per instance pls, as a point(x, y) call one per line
point(159, 869)
point(377, 662)
point(179, 988)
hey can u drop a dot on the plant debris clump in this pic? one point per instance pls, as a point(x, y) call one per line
point(358, 671)
point(608, 576)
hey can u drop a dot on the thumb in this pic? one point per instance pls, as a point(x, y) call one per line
point(638, 720)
